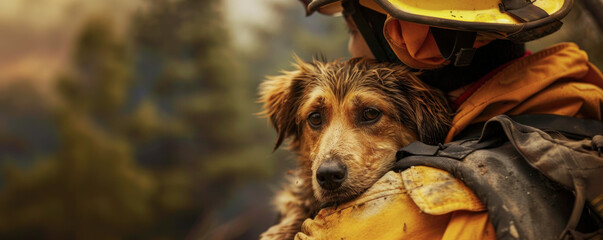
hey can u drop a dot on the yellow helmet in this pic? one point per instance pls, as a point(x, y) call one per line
point(516, 20)
point(455, 24)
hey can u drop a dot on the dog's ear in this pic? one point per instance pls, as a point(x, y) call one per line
point(432, 113)
point(281, 96)
point(424, 108)
point(433, 117)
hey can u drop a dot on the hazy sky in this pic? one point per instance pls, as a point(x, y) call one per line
point(37, 35)
point(244, 15)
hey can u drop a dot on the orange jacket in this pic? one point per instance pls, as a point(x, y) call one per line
point(557, 80)
point(427, 203)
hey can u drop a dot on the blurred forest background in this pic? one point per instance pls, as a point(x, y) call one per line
point(134, 119)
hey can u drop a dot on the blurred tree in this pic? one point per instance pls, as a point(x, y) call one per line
point(191, 78)
point(25, 127)
point(91, 188)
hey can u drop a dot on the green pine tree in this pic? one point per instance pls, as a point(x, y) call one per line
point(91, 188)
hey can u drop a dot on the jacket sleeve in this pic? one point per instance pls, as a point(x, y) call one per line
point(386, 211)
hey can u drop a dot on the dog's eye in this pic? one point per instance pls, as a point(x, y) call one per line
point(370, 114)
point(315, 119)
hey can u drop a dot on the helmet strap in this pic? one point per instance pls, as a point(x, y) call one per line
point(370, 25)
point(455, 44)
point(522, 10)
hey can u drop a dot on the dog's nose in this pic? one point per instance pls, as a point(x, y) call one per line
point(331, 174)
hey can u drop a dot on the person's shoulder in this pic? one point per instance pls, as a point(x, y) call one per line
point(565, 49)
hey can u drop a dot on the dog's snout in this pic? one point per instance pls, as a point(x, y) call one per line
point(331, 174)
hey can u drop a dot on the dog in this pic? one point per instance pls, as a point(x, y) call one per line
point(345, 121)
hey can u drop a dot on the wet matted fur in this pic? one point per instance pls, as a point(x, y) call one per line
point(357, 113)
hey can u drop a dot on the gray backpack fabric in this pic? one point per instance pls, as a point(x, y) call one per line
point(536, 184)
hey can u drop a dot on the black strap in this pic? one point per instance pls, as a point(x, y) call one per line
point(456, 150)
point(575, 128)
point(454, 43)
point(522, 10)
point(417, 148)
point(370, 25)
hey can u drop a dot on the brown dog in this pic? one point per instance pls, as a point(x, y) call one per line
point(346, 120)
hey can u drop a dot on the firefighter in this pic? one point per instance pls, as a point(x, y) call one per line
point(474, 52)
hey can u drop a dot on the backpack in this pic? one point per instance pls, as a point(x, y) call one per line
point(528, 175)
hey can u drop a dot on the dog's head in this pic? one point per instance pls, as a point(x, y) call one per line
point(346, 120)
